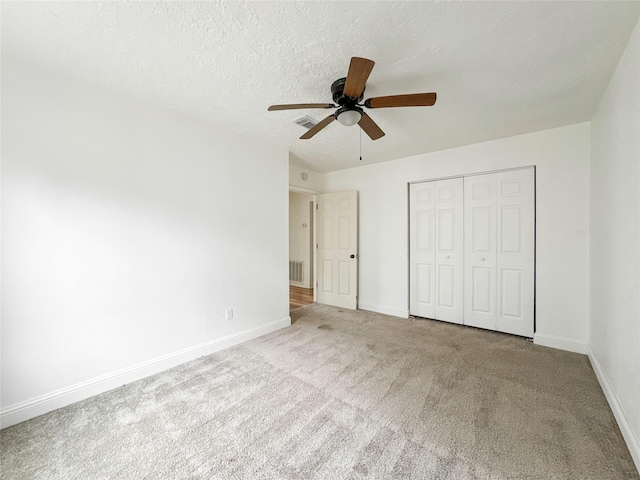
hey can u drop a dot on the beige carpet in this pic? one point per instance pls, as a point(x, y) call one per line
point(340, 395)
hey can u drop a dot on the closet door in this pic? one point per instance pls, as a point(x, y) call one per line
point(471, 251)
point(449, 248)
point(480, 251)
point(515, 248)
point(436, 250)
point(422, 249)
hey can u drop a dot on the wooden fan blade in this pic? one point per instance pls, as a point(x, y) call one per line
point(410, 100)
point(370, 127)
point(312, 131)
point(295, 106)
point(359, 70)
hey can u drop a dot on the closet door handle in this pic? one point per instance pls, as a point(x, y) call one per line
point(447, 257)
point(482, 259)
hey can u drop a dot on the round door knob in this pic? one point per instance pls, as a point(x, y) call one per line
point(447, 257)
point(352, 256)
point(482, 259)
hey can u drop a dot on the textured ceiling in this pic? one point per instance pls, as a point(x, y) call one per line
point(499, 68)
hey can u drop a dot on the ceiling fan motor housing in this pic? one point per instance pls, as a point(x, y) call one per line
point(337, 91)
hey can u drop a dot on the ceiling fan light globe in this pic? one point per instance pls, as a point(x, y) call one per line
point(349, 117)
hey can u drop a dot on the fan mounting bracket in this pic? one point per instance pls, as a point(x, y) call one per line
point(337, 92)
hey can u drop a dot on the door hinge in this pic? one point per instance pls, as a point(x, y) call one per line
point(316, 206)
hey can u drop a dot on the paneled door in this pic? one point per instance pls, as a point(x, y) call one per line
point(422, 249)
point(337, 237)
point(480, 251)
point(436, 250)
point(499, 251)
point(515, 208)
point(449, 250)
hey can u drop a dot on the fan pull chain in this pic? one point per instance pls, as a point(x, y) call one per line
point(360, 144)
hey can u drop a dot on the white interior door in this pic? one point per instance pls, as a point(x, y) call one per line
point(480, 251)
point(422, 250)
point(515, 248)
point(471, 250)
point(337, 235)
point(436, 250)
point(449, 248)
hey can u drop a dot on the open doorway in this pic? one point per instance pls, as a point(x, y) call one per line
point(301, 251)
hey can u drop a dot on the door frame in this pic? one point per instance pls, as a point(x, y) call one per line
point(314, 198)
point(462, 175)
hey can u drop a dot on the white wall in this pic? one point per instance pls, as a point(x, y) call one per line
point(300, 233)
point(615, 243)
point(561, 157)
point(127, 231)
point(313, 184)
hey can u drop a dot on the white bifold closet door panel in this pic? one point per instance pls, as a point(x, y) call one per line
point(499, 251)
point(515, 192)
point(480, 251)
point(422, 250)
point(436, 250)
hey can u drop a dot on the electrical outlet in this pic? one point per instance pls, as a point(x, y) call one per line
point(228, 314)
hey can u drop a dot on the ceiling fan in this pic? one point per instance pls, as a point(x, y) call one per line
point(348, 93)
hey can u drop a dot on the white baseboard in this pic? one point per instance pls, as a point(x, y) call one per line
point(66, 396)
point(630, 437)
point(395, 312)
point(560, 343)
